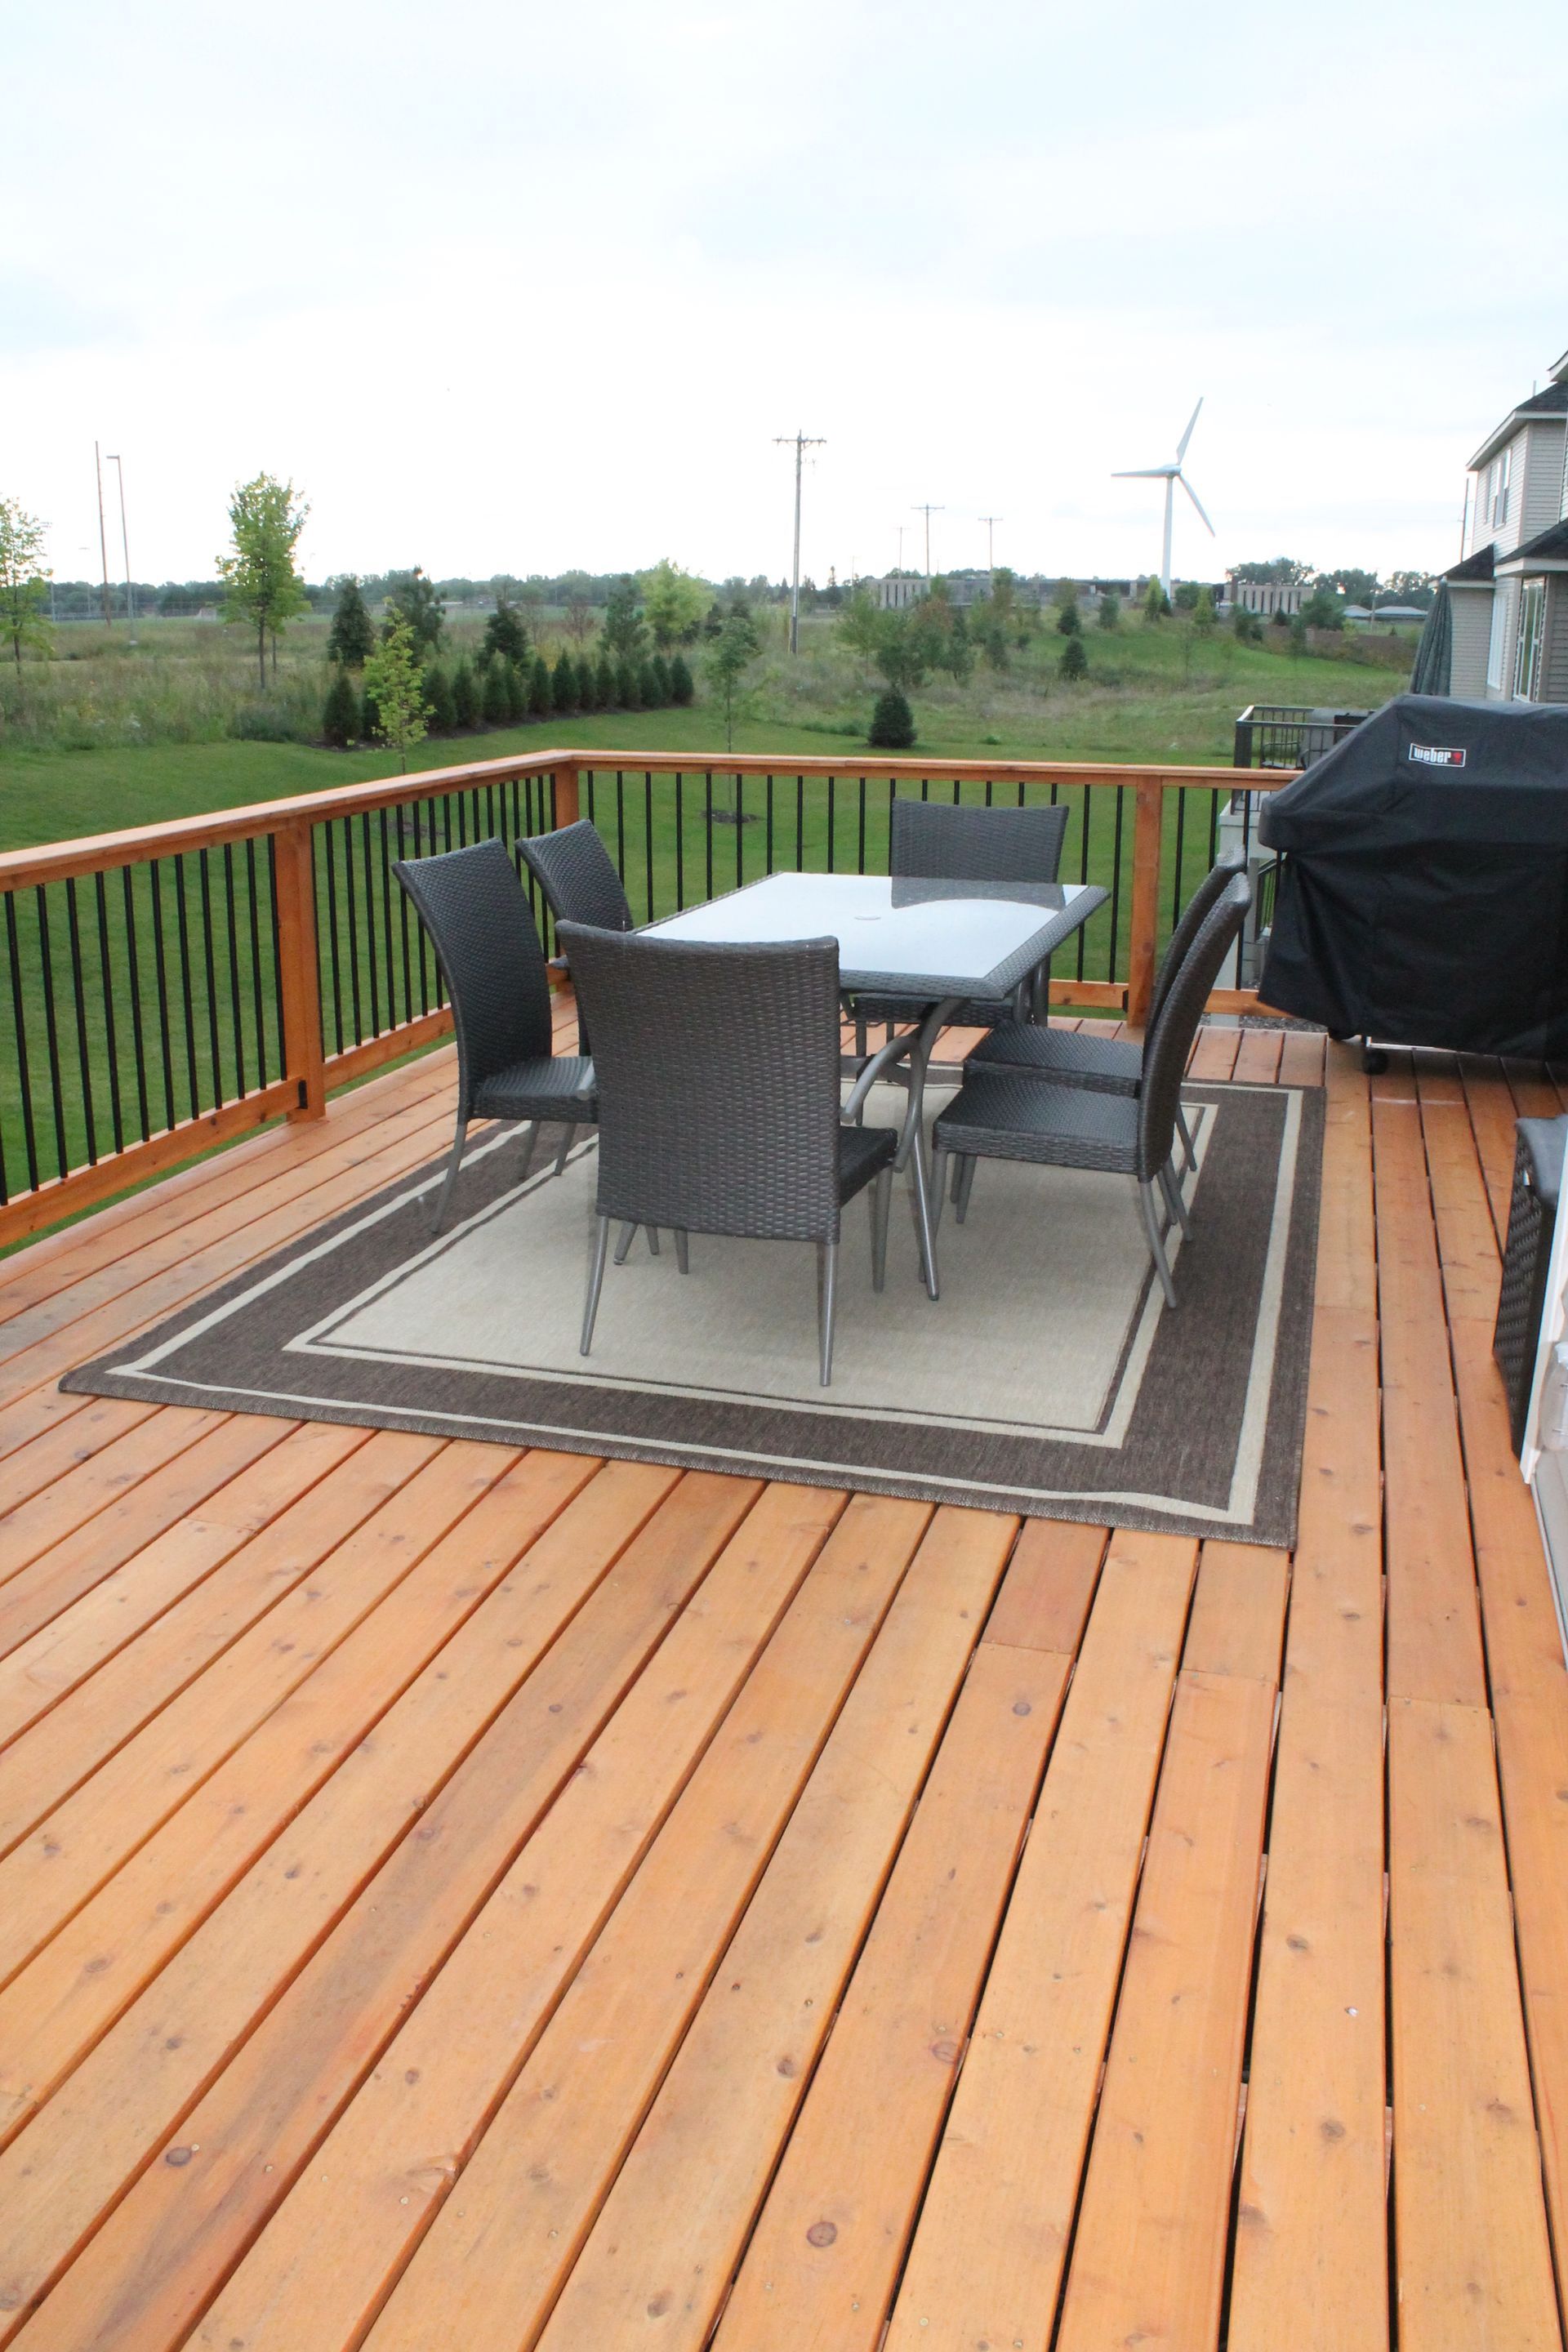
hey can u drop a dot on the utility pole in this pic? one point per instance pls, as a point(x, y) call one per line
point(927, 511)
point(102, 541)
point(124, 540)
point(801, 443)
point(990, 522)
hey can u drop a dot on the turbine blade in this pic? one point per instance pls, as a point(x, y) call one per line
point(1198, 503)
point(1145, 474)
point(1182, 443)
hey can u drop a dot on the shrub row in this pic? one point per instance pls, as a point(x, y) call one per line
point(497, 693)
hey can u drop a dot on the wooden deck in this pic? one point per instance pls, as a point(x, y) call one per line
point(457, 1898)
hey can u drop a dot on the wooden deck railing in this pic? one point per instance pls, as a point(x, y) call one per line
point(169, 988)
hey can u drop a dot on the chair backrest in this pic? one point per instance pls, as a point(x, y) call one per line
point(1171, 1037)
point(1208, 892)
point(486, 943)
point(578, 877)
point(716, 1070)
point(935, 841)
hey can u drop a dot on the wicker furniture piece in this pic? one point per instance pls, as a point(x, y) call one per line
point(718, 1109)
point(941, 841)
point(580, 885)
point(485, 941)
point(1108, 1066)
point(1005, 1115)
point(1527, 1259)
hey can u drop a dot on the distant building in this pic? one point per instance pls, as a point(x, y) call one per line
point(895, 592)
point(1509, 592)
point(1264, 597)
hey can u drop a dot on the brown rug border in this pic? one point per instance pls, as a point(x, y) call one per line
point(1274, 1519)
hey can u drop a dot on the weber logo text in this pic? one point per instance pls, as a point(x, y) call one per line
point(1436, 755)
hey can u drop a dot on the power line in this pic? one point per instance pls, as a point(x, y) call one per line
point(927, 511)
point(801, 443)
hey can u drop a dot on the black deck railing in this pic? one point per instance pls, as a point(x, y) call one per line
point(1289, 735)
point(164, 991)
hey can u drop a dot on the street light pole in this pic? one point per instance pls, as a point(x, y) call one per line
point(124, 540)
point(102, 541)
point(801, 443)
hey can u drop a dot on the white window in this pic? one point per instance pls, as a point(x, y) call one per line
point(1497, 651)
point(1502, 479)
point(1526, 651)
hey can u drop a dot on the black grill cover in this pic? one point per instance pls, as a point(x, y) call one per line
point(1422, 897)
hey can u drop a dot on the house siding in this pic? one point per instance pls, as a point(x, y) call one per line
point(1555, 659)
point(1472, 618)
point(1541, 499)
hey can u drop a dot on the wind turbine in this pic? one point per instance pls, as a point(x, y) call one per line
point(1171, 474)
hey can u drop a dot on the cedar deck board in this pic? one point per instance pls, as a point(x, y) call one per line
point(166, 1629)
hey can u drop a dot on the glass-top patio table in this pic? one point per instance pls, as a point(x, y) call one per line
point(945, 943)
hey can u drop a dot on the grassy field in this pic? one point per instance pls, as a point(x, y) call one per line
point(1160, 693)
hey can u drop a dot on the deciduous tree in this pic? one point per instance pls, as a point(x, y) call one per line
point(262, 590)
point(1107, 613)
point(674, 604)
point(393, 681)
point(727, 660)
point(24, 579)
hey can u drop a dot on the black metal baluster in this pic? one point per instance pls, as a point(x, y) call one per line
point(337, 986)
point(647, 835)
point(708, 828)
point(832, 815)
point(445, 821)
point(161, 971)
point(401, 848)
point(770, 820)
point(133, 962)
point(1083, 876)
point(739, 830)
point(350, 899)
point(51, 1028)
point(210, 970)
point(232, 918)
point(277, 937)
point(1116, 885)
point(892, 796)
point(424, 942)
point(370, 924)
point(79, 1000)
point(860, 830)
point(1181, 830)
point(383, 887)
point(259, 993)
point(800, 824)
point(111, 1025)
point(19, 1025)
point(621, 825)
point(679, 842)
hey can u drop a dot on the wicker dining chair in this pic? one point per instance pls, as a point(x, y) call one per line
point(487, 944)
point(1108, 1066)
point(580, 885)
point(940, 840)
point(1008, 1115)
point(719, 1101)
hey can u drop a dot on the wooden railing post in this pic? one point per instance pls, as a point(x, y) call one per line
point(298, 956)
point(567, 810)
point(1148, 813)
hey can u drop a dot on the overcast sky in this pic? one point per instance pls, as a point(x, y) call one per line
point(509, 288)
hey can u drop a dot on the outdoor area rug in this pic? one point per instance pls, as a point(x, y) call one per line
point(1048, 1378)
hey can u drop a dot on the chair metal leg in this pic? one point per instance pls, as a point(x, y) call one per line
point(1185, 1131)
point(1169, 1185)
point(681, 1258)
point(881, 1197)
point(624, 1246)
point(652, 1231)
point(827, 1287)
point(963, 1187)
point(939, 1180)
point(453, 1164)
point(1156, 1241)
point(560, 1155)
point(595, 1282)
point(925, 1225)
point(533, 1139)
point(957, 1177)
